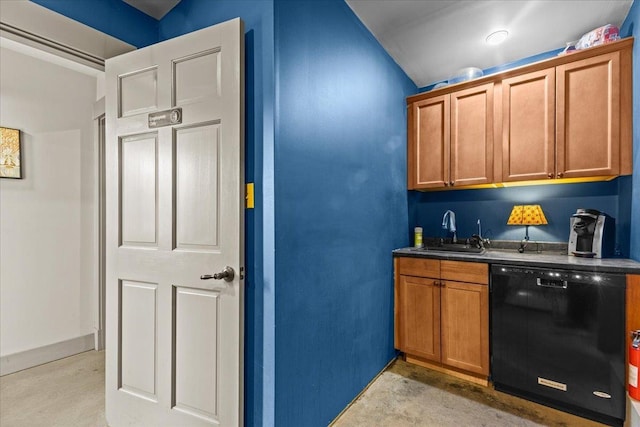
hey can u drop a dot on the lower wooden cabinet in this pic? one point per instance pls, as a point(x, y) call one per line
point(442, 313)
point(418, 316)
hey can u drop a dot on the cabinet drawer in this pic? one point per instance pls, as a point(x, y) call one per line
point(419, 267)
point(461, 271)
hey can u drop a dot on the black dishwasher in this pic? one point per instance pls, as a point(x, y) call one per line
point(557, 338)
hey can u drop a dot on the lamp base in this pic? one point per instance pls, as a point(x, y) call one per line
point(525, 241)
point(523, 244)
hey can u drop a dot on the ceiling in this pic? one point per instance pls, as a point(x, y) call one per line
point(432, 39)
point(154, 8)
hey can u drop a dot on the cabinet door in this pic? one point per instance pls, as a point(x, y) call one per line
point(472, 136)
point(465, 326)
point(428, 149)
point(528, 126)
point(418, 317)
point(588, 117)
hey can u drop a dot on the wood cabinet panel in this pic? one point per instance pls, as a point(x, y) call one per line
point(465, 326)
point(588, 117)
point(429, 143)
point(443, 321)
point(420, 267)
point(419, 319)
point(562, 118)
point(472, 136)
point(528, 126)
point(461, 271)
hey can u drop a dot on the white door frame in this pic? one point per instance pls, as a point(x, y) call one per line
point(99, 119)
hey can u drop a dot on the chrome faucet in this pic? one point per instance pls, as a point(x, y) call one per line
point(449, 224)
point(481, 241)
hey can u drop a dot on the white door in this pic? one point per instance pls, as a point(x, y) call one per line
point(175, 213)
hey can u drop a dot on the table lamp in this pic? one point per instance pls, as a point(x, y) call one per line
point(526, 215)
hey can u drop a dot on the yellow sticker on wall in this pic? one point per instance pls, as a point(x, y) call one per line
point(249, 196)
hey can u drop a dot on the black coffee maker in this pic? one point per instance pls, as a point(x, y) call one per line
point(592, 234)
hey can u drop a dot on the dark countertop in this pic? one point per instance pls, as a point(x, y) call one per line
point(530, 259)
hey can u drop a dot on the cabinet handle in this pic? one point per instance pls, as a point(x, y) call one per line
point(549, 175)
point(560, 174)
point(451, 183)
point(436, 283)
point(446, 184)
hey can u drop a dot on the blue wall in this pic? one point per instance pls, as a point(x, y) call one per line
point(493, 206)
point(631, 27)
point(341, 207)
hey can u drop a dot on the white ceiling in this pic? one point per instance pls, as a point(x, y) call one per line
point(154, 8)
point(432, 39)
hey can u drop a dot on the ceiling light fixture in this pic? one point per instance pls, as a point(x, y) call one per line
point(497, 37)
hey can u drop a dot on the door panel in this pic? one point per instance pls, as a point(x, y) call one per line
point(175, 213)
point(138, 180)
point(142, 83)
point(196, 374)
point(137, 371)
point(197, 194)
point(197, 78)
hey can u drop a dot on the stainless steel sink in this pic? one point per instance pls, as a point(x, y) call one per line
point(452, 247)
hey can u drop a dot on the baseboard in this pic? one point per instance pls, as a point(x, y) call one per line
point(464, 375)
point(28, 359)
point(99, 340)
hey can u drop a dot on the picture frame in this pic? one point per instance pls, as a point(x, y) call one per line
point(10, 153)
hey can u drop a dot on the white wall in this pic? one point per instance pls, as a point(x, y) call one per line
point(47, 220)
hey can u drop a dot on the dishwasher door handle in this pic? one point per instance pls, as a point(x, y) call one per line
point(551, 283)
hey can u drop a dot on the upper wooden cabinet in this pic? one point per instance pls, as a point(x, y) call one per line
point(588, 117)
point(566, 117)
point(451, 139)
point(472, 136)
point(429, 143)
point(528, 126)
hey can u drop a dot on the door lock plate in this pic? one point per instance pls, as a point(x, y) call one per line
point(165, 118)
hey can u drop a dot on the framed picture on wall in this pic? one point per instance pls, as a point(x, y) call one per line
point(10, 164)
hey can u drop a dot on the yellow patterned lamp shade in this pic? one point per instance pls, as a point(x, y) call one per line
point(527, 215)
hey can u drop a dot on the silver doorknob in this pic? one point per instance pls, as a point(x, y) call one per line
point(227, 274)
